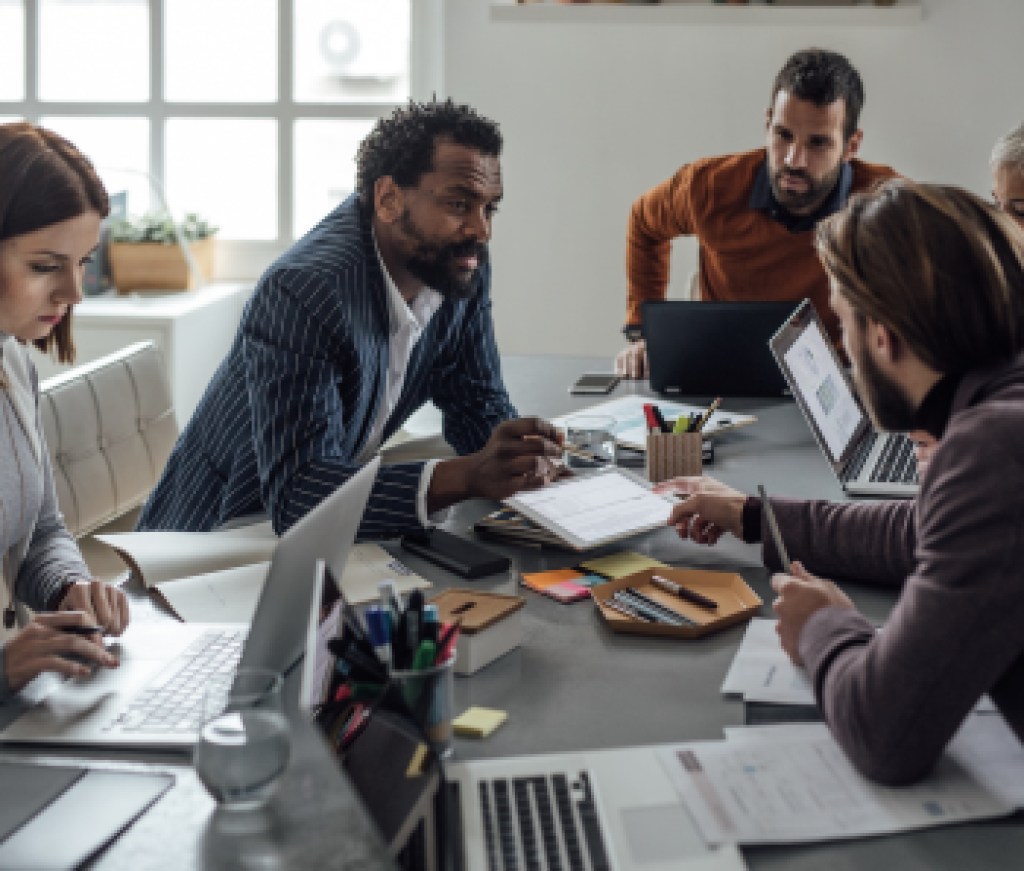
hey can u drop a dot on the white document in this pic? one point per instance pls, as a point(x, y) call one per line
point(630, 427)
point(591, 510)
point(231, 595)
point(784, 784)
point(161, 556)
point(761, 670)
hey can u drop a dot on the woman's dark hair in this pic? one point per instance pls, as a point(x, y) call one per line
point(937, 265)
point(402, 145)
point(44, 180)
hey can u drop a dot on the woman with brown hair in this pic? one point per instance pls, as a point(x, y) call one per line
point(51, 205)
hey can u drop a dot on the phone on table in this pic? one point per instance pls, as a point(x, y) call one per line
point(595, 383)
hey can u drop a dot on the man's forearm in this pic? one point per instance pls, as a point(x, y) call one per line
point(449, 484)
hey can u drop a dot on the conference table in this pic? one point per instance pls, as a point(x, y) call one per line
point(573, 684)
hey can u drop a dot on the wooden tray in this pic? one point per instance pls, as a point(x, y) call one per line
point(736, 601)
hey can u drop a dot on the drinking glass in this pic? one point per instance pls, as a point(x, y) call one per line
point(592, 435)
point(243, 744)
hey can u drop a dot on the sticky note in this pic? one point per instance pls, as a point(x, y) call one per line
point(476, 722)
point(618, 565)
point(567, 591)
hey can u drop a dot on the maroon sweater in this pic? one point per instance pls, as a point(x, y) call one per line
point(894, 699)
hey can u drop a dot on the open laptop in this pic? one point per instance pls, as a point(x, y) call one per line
point(867, 462)
point(713, 348)
point(153, 698)
point(589, 810)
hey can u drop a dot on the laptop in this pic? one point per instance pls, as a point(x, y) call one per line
point(713, 348)
point(866, 462)
point(589, 810)
point(153, 698)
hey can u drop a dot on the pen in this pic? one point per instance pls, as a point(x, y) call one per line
point(766, 509)
point(706, 416)
point(653, 611)
point(447, 643)
point(682, 592)
point(659, 418)
point(670, 614)
point(378, 626)
point(424, 657)
point(651, 418)
point(82, 630)
point(625, 609)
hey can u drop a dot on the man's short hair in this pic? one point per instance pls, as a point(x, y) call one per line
point(821, 77)
point(402, 145)
point(1009, 150)
point(937, 265)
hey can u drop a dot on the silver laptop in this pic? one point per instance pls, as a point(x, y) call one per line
point(866, 461)
point(602, 809)
point(153, 698)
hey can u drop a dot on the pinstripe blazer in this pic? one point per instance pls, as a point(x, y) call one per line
point(294, 401)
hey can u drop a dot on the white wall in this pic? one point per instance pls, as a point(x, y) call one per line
point(594, 114)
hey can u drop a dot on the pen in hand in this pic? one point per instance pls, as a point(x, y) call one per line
point(773, 527)
point(81, 630)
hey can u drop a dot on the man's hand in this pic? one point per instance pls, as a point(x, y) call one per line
point(711, 509)
point(43, 646)
point(801, 594)
point(925, 445)
point(631, 361)
point(104, 604)
point(521, 454)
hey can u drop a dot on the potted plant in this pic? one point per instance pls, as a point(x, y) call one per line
point(151, 252)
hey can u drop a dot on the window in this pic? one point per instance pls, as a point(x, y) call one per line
point(247, 111)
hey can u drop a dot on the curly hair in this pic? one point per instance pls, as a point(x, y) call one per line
point(821, 77)
point(46, 180)
point(402, 145)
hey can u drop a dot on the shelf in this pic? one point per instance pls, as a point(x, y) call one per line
point(702, 12)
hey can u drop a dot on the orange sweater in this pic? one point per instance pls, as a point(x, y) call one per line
point(744, 253)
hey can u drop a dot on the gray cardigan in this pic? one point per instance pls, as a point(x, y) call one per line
point(894, 699)
point(46, 557)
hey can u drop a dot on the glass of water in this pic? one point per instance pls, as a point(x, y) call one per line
point(590, 441)
point(243, 744)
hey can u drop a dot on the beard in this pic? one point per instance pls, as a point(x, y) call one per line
point(435, 265)
point(887, 404)
point(817, 191)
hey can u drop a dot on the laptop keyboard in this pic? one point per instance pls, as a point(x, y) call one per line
point(895, 465)
point(542, 823)
point(172, 701)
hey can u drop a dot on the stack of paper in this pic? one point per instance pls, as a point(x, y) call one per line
point(508, 524)
point(793, 784)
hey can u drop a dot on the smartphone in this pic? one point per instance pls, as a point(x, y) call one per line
point(595, 383)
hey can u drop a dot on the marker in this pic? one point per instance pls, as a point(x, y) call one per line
point(431, 623)
point(425, 655)
point(378, 626)
point(682, 424)
point(652, 420)
point(682, 592)
point(766, 509)
point(659, 419)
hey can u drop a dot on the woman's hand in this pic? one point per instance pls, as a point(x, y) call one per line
point(711, 509)
point(44, 645)
point(104, 604)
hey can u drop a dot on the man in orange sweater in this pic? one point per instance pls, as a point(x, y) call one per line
point(754, 213)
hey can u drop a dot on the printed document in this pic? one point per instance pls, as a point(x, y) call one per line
point(595, 509)
point(793, 784)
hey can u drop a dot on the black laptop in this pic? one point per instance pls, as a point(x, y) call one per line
point(714, 348)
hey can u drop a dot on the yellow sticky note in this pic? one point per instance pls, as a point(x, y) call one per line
point(618, 565)
point(476, 722)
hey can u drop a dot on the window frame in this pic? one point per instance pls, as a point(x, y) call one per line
point(238, 258)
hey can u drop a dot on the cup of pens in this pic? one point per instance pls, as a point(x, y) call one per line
point(430, 694)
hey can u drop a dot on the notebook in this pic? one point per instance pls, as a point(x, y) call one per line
point(581, 810)
point(713, 348)
point(866, 461)
point(153, 698)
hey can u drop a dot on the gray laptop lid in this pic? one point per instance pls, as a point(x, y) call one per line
point(278, 634)
point(714, 348)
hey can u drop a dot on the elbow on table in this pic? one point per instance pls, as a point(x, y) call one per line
point(889, 765)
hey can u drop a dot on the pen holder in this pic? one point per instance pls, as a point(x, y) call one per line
point(671, 454)
point(430, 695)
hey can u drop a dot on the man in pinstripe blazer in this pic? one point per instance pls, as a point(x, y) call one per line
point(381, 307)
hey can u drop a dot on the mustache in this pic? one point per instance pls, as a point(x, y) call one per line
point(469, 248)
point(793, 173)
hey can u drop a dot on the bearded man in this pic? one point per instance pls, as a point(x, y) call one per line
point(754, 213)
point(381, 307)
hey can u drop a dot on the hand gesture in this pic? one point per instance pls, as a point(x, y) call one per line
point(710, 509)
point(631, 361)
point(105, 605)
point(43, 646)
point(801, 594)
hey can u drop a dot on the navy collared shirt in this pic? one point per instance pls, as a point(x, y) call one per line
point(762, 198)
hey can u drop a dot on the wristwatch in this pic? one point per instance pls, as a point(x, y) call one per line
point(633, 332)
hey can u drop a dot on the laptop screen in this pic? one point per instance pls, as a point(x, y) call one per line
point(819, 384)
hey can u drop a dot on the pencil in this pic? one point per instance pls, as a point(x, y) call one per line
point(773, 526)
point(706, 416)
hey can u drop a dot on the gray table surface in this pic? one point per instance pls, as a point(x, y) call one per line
point(573, 684)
